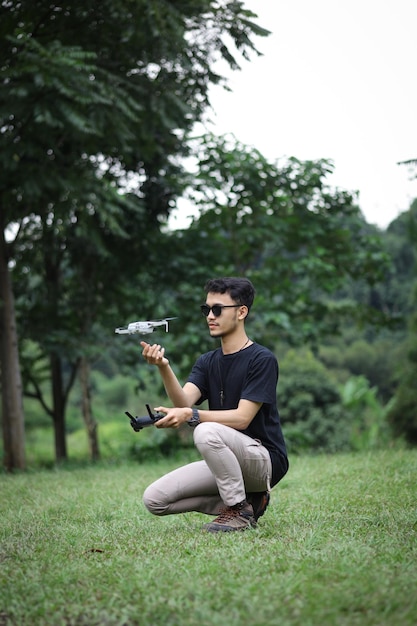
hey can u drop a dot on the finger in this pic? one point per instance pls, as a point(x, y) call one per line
point(146, 349)
point(162, 423)
point(160, 356)
point(151, 353)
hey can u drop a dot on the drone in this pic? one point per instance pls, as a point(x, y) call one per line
point(143, 328)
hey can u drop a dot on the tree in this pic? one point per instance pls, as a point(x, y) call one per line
point(95, 100)
point(11, 383)
point(403, 415)
point(283, 227)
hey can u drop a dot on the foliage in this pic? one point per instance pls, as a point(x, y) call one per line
point(95, 102)
point(280, 225)
point(354, 354)
point(369, 428)
point(394, 293)
point(113, 395)
point(337, 545)
point(311, 410)
point(96, 110)
point(117, 79)
point(403, 414)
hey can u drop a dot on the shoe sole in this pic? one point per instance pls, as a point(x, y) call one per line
point(226, 530)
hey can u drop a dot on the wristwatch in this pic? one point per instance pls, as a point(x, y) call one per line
point(195, 419)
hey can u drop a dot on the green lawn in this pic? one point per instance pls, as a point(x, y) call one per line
point(337, 546)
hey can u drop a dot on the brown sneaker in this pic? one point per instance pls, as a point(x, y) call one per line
point(259, 501)
point(237, 517)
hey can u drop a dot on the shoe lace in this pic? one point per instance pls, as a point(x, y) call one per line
point(227, 514)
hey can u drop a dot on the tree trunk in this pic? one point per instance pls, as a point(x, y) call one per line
point(58, 409)
point(11, 381)
point(89, 421)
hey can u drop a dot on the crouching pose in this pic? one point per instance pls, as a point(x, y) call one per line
point(239, 436)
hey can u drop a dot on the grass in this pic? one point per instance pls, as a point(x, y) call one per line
point(338, 545)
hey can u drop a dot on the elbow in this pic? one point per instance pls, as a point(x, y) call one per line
point(243, 422)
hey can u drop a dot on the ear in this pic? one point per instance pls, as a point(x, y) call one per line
point(243, 312)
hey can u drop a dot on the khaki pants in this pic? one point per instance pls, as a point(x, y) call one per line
point(234, 464)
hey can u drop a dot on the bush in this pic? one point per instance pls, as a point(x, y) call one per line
point(403, 415)
point(311, 406)
point(369, 423)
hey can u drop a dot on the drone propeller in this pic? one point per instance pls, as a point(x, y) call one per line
point(163, 319)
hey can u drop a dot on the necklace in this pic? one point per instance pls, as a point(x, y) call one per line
point(220, 372)
point(244, 345)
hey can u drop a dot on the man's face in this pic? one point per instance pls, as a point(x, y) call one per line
point(225, 317)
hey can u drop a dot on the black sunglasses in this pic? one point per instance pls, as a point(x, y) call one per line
point(216, 308)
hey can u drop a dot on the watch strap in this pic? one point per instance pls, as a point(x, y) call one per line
point(195, 418)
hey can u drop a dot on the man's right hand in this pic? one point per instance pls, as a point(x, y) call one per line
point(154, 354)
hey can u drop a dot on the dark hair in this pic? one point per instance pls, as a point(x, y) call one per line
point(240, 290)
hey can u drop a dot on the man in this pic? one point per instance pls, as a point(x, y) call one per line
point(239, 436)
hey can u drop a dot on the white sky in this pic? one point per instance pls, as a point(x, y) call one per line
point(337, 80)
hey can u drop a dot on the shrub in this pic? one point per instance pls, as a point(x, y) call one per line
point(310, 406)
point(403, 415)
point(369, 424)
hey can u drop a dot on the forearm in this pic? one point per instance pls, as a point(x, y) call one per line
point(231, 417)
point(172, 387)
point(176, 416)
point(155, 355)
point(238, 418)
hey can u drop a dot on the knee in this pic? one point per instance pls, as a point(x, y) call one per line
point(154, 502)
point(207, 433)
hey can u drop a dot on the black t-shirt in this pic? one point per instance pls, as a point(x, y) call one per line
point(250, 374)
